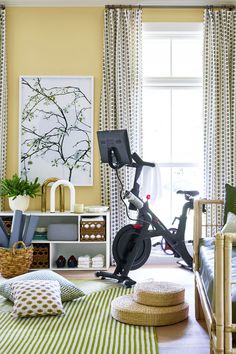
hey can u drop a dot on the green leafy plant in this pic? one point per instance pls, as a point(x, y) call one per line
point(18, 186)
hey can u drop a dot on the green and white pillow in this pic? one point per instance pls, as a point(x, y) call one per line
point(230, 225)
point(230, 201)
point(69, 291)
point(36, 298)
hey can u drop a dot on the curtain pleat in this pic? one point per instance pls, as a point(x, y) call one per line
point(219, 101)
point(121, 99)
point(3, 99)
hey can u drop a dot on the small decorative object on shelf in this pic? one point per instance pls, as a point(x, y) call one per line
point(79, 208)
point(61, 262)
point(72, 262)
point(19, 191)
point(44, 194)
point(53, 192)
point(92, 229)
point(40, 234)
point(96, 208)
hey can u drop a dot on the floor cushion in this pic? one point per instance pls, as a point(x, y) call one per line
point(153, 293)
point(125, 309)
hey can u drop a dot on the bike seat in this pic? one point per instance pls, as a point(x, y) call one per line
point(190, 193)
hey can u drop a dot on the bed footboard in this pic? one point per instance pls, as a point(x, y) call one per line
point(208, 215)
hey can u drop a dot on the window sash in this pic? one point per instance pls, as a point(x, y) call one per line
point(172, 31)
point(172, 82)
point(172, 28)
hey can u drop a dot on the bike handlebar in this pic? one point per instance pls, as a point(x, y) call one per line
point(140, 162)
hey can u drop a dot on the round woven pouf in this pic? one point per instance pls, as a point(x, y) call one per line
point(126, 310)
point(155, 293)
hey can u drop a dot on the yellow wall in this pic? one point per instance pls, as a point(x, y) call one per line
point(53, 41)
point(63, 41)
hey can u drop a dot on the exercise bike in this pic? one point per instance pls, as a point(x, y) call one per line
point(132, 244)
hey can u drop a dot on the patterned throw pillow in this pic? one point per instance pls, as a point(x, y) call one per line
point(230, 225)
point(69, 291)
point(230, 200)
point(36, 298)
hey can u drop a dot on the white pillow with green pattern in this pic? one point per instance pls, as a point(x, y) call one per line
point(69, 291)
point(230, 225)
point(36, 298)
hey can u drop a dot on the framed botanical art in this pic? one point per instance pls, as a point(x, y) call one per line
point(56, 128)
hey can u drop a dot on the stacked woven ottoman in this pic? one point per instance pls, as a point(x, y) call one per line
point(151, 304)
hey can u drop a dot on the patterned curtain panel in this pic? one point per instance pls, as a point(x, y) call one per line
point(3, 98)
point(219, 101)
point(121, 100)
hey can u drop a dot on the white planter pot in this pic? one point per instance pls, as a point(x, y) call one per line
point(21, 202)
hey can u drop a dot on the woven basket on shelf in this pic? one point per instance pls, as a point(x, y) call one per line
point(93, 230)
point(40, 256)
point(15, 261)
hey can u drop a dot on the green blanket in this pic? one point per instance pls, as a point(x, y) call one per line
point(86, 327)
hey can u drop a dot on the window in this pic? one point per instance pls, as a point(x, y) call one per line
point(172, 110)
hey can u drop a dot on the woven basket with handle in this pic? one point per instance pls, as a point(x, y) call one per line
point(15, 261)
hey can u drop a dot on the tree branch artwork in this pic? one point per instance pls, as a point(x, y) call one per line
point(56, 128)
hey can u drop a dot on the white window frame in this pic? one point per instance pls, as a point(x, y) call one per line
point(173, 30)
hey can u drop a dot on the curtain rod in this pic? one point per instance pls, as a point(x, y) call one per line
point(230, 7)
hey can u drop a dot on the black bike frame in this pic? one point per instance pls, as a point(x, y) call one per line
point(176, 241)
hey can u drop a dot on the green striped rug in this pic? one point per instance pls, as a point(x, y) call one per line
point(86, 328)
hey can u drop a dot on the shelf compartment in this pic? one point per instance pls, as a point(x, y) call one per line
point(93, 229)
point(77, 250)
point(41, 256)
point(45, 221)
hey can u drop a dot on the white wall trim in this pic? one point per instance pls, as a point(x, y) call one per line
point(172, 82)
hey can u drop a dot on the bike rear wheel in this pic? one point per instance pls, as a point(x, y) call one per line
point(123, 244)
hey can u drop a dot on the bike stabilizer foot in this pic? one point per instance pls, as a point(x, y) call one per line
point(184, 265)
point(127, 281)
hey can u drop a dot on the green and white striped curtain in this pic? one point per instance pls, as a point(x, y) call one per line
point(3, 98)
point(219, 101)
point(121, 100)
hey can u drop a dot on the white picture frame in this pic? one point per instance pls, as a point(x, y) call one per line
point(56, 128)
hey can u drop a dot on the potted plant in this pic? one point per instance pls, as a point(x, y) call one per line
point(19, 191)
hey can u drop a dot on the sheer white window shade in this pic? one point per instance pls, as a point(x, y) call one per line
point(172, 108)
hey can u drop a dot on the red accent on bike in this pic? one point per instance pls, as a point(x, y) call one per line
point(148, 196)
point(137, 226)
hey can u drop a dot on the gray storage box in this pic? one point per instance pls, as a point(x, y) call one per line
point(63, 232)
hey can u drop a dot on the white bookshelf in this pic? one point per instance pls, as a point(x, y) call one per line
point(68, 248)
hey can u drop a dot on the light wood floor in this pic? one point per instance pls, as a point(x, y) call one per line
point(187, 337)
